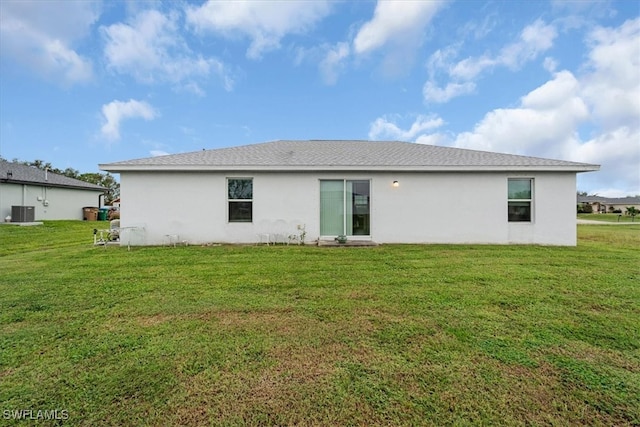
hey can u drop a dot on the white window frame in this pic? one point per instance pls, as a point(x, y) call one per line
point(529, 200)
point(229, 201)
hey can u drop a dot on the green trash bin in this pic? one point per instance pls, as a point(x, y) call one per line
point(102, 214)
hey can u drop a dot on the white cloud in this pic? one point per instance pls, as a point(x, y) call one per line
point(613, 84)
point(608, 192)
point(397, 28)
point(117, 111)
point(470, 68)
point(433, 93)
point(550, 64)
point(333, 62)
point(156, 153)
point(480, 29)
point(602, 101)
point(194, 88)
point(619, 146)
point(611, 87)
point(534, 39)
point(618, 152)
point(554, 94)
point(42, 35)
point(395, 22)
point(265, 23)
point(433, 139)
point(606, 98)
point(546, 120)
point(386, 128)
point(151, 49)
point(441, 59)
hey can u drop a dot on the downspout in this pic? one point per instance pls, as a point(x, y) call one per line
point(45, 202)
point(99, 200)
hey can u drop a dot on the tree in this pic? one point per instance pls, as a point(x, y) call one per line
point(71, 173)
point(631, 210)
point(104, 180)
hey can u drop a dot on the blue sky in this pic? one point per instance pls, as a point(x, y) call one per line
point(91, 82)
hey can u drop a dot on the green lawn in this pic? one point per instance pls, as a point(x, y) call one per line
point(392, 335)
point(610, 217)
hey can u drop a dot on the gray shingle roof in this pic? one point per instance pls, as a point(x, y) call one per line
point(343, 155)
point(629, 200)
point(22, 174)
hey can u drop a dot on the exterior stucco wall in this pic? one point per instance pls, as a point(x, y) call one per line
point(63, 203)
point(424, 208)
point(554, 212)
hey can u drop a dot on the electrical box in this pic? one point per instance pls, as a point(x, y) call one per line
point(23, 214)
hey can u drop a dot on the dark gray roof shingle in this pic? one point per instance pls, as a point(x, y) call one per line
point(629, 200)
point(23, 174)
point(318, 154)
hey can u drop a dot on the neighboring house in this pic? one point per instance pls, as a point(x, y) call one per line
point(52, 196)
point(386, 192)
point(610, 204)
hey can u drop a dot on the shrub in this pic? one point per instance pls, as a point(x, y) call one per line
point(585, 208)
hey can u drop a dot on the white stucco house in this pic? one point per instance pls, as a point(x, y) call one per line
point(385, 192)
point(45, 195)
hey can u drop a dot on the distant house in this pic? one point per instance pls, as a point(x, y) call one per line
point(385, 192)
point(610, 204)
point(50, 195)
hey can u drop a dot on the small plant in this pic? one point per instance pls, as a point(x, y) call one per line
point(302, 232)
point(341, 238)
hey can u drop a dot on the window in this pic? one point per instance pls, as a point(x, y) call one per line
point(520, 199)
point(240, 199)
point(344, 208)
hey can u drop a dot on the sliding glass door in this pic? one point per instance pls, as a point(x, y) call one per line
point(345, 207)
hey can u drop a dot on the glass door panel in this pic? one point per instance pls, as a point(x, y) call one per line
point(358, 196)
point(331, 208)
point(345, 208)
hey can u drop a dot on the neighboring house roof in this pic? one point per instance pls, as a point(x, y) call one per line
point(17, 173)
point(628, 201)
point(344, 155)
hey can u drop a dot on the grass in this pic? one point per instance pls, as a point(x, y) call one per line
point(255, 335)
point(610, 217)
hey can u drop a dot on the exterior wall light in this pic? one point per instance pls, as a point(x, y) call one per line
point(396, 184)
